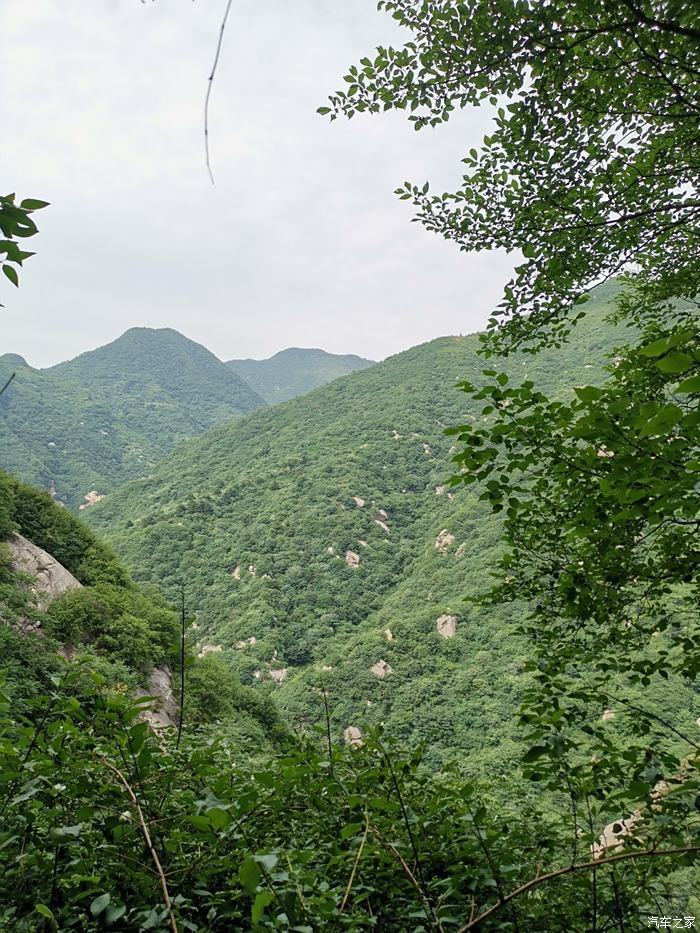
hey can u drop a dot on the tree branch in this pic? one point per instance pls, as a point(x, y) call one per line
point(593, 864)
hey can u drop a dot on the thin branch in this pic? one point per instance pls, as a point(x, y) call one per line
point(147, 837)
point(646, 712)
point(7, 383)
point(595, 863)
point(355, 864)
point(328, 728)
point(209, 87)
point(407, 824)
point(182, 666)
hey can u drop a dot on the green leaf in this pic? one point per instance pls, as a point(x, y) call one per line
point(657, 348)
point(689, 386)
point(114, 912)
point(99, 904)
point(44, 911)
point(33, 204)
point(249, 874)
point(11, 273)
point(268, 861)
point(674, 363)
point(588, 393)
point(262, 900)
point(218, 818)
point(62, 833)
point(534, 753)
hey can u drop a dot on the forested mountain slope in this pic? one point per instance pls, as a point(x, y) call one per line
point(110, 414)
point(68, 607)
point(295, 371)
point(298, 581)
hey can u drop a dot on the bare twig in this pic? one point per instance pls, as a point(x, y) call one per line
point(149, 842)
point(328, 727)
point(7, 383)
point(355, 864)
point(209, 87)
point(584, 866)
point(182, 667)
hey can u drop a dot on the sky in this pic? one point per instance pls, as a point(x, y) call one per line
point(301, 241)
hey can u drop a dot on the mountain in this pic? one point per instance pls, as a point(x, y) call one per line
point(109, 415)
point(295, 371)
point(318, 541)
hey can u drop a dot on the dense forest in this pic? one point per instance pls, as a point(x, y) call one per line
point(82, 427)
point(418, 650)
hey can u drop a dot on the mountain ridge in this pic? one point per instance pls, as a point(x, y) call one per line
point(110, 414)
point(295, 371)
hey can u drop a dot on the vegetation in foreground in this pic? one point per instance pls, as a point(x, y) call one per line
point(590, 169)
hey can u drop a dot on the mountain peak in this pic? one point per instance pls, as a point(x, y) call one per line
point(295, 371)
point(14, 359)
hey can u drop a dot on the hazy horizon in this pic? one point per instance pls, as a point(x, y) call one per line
point(212, 350)
point(300, 242)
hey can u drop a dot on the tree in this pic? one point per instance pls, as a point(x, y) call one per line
point(592, 171)
point(593, 163)
point(16, 224)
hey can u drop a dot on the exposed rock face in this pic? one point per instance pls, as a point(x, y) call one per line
point(50, 578)
point(352, 559)
point(91, 498)
point(388, 634)
point(381, 669)
point(245, 642)
point(163, 713)
point(447, 626)
point(360, 503)
point(440, 490)
point(382, 525)
point(444, 540)
point(278, 674)
point(608, 714)
point(352, 736)
point(235, 573)
point(208, 649)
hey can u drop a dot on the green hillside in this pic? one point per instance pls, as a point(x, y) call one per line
point(295, 371)
point(257, 518)
point(112, 413)
point(101, 625)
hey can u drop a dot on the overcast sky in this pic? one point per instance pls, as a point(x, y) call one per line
point(301, 242)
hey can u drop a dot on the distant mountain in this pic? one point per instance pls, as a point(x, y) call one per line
point(320, 543)
point(110, 414)
point(295, 371)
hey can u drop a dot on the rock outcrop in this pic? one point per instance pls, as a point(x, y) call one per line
point(352, 559)
point(447, 626)
point(205, 649)
point(443, 541)
point(91, 498)
point(164, 711)
point(352, 736)
point(381, 669)
point(50, 578)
